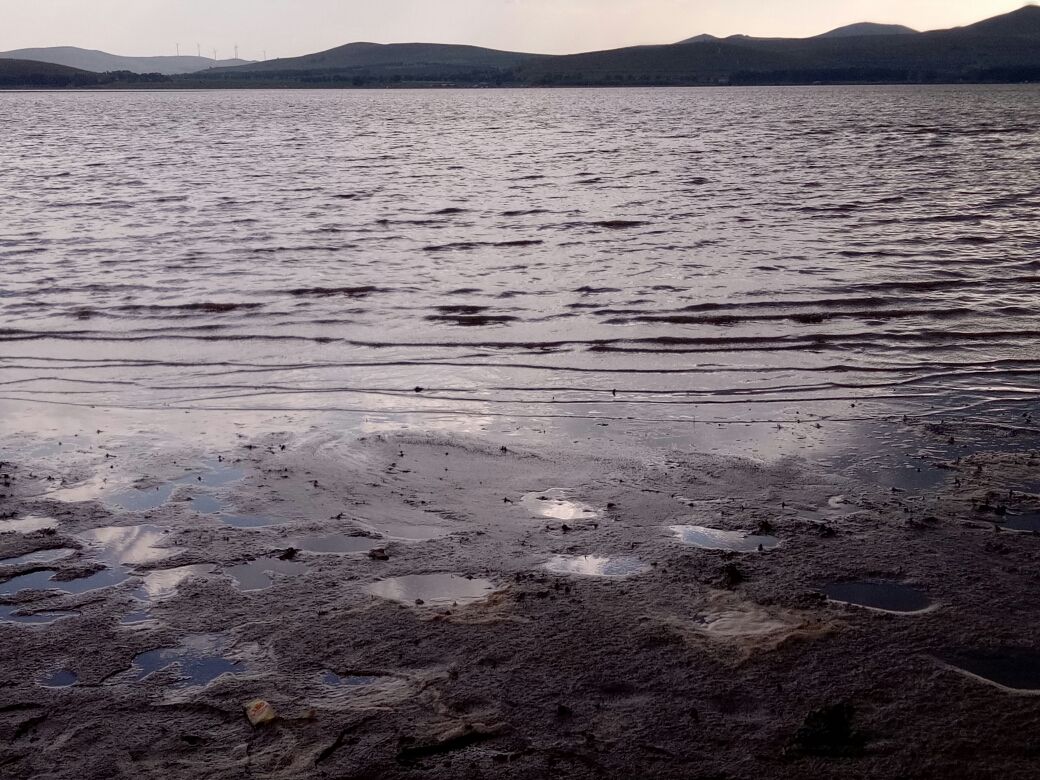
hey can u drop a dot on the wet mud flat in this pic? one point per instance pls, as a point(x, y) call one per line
point(441, 606)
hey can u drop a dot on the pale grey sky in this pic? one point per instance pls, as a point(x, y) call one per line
point(287, 28)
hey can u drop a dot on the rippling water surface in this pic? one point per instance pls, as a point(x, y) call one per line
point(657, 257)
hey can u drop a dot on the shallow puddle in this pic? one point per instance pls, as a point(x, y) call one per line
point(43, 580)
point(199, 661)
point(59, 679)
point(837, 507)
point(260, 574)
point(731, 541)
point(433, 590)
point(1025, 522)
point(9, 614)
point(162, 584)
point(406, 531)
point(880, 596)
point(134, 500)
point(336, 544)
point(138, 617)
point(28, 524)
point(205, 505)
point(119, 549)
point(41, 556)
point(595, 566)
point(1011, 668)
point(129, 545)
point(211, 473)
point(214, 473)
point(556, 505)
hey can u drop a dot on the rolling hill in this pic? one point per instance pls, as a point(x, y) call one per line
point(103, 62)
point(409, 61)
point(28, 73)
point(1002, 49)
point(1005, 48)
point(868, 28)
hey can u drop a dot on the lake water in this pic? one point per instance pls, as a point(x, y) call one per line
point(672, 266)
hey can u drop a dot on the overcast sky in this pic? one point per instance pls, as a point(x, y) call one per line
point(287, 28)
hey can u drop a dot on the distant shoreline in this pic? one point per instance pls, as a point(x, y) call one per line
point(503, 87)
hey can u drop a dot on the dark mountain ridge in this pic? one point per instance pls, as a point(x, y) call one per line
point(21, 74)
point(868, 28)
point(1002, 49)
point(1005, 48)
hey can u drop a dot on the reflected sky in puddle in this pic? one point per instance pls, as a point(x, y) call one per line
point(730, 541)
point(260, 574)
point(58, 679)
point(206, 505)
point(135, 500)
point(556, 505)
point(335, 544)
point(198, 661)
point(403, 530)
point(129, 545)
point(878, 596)
point(9, 613)
point(27, 524)
point(212, 473)
point(1014, 669)
point(41, 556)
point(1024, 522)
point(138, 617)
point(120, 549)
point(595, 566)
point(42, 580)
point(837, 507)
point(162, 584)
point(433, 590)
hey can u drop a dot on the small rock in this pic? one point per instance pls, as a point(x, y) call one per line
point(260, 712)
point(378, 554)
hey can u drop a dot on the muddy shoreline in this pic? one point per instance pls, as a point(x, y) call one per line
point(647, 656)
